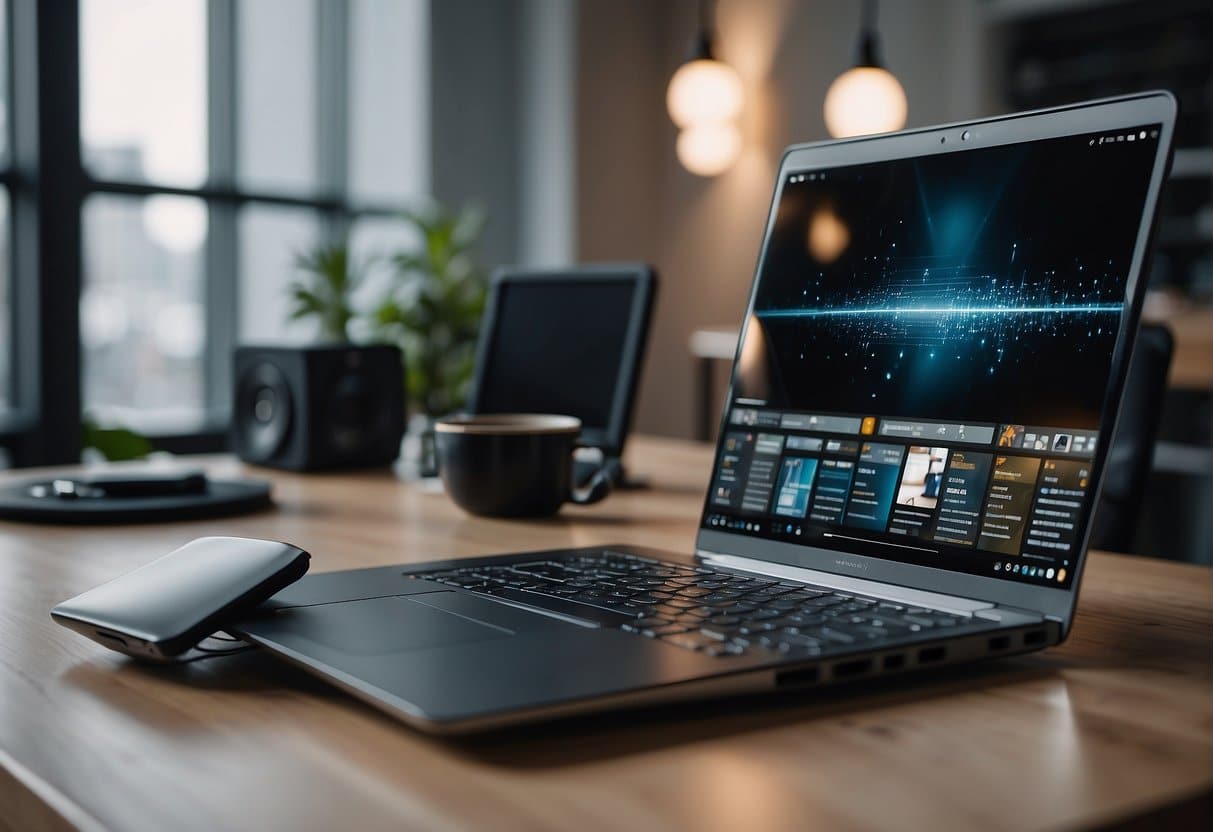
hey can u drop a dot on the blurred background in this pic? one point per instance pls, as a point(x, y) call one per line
point(162, 163)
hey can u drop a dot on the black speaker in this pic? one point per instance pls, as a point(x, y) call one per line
point(311, 408)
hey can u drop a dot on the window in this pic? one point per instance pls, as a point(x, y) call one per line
point(6, 307)
point(142, 309)
point(220, 137)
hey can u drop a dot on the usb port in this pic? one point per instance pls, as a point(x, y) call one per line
point(927, 655)
point(858, 667)
point(112, 637)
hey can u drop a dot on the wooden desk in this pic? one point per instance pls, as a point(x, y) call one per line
point(1116, 723)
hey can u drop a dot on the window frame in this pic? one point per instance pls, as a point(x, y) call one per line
point(48, 187)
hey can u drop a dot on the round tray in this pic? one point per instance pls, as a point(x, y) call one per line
point(222, 498)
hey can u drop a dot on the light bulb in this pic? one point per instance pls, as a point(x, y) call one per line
point(865, 100)
point(703, 91)
point(709, 149)
point(828, 235)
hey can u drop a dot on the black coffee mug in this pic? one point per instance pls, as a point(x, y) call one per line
point(513, 464)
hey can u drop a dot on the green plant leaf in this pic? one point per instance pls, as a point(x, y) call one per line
point(432, 308)
point(115, 444)
point(329, 277)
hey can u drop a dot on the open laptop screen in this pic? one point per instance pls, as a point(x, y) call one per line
point(929, 355)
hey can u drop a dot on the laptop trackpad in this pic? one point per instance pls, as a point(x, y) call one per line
point(395, 623)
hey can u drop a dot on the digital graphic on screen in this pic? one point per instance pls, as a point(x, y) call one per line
point(932, 335)
point(1006, 512)
point(1060, 498)
point(733, 468)
point(960, 504)
point(833, 486)
point(873, 486)
point(918, 492)
point(795, 483)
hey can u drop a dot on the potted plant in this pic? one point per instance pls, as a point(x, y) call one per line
point(324, 291)
point(432, 310)
point(430, 307)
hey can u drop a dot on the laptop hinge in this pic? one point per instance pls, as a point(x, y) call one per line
point(969, 607)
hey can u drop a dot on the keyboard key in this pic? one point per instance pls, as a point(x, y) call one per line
point(822, 602)
point(470, 583)
point(602, 615)
point(756, 628)
point(727, 649)
point(861, 633)
point(691, 641)
point(896, 625)
point(652, 621)
point(719, 633)
point(831, 634)
point(666, 630)
point(801, 619)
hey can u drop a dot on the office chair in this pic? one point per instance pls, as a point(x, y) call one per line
point(1131, 456)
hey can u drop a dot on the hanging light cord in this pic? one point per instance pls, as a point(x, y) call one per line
point(705, 34)
point(869, 39)
point(867, 15)
point(707, 21)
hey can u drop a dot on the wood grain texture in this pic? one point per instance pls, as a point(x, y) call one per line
point(1115, 723)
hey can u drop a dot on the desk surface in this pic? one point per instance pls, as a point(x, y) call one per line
point(1115, 723)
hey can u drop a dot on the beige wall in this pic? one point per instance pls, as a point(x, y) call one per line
point(634, 201)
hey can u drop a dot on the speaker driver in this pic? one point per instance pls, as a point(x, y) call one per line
point(263, 411)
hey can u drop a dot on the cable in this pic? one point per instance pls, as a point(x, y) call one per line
point(215, 654)
point(222, 636)
point(867, 15)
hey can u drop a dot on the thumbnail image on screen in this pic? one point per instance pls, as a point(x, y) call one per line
point(957, 314)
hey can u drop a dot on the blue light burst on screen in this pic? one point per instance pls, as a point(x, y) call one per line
point(917, 305)
point(984, 285)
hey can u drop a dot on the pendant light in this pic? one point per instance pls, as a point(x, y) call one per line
point(704, 99)
point(866, 98)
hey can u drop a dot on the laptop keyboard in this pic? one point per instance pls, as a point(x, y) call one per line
point(712, 611)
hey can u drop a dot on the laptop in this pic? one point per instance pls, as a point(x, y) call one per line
point(586, 325)
point(925, 386)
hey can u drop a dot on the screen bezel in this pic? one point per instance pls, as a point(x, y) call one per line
point(643, 282)
point(1058, 603)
